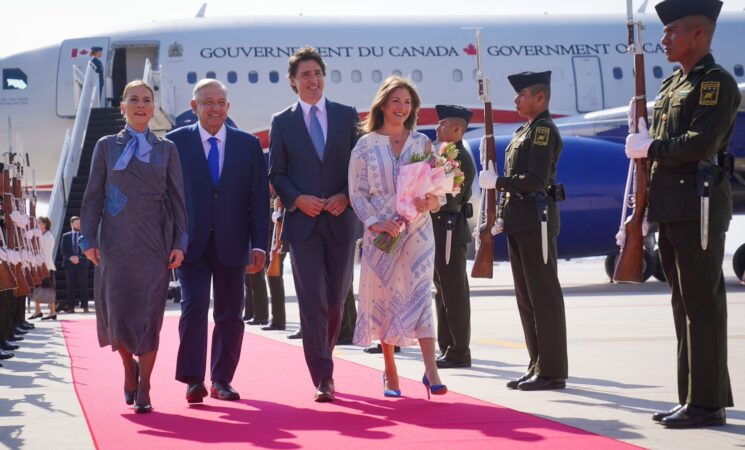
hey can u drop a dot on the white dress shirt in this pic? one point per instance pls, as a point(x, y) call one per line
point(47, 250)
point(220, 135)
point(321, 114)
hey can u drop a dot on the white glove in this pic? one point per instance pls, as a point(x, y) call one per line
point(637, 144)
point(631, 115)
point(276, 215)
point(488, 177)
point(482, 150)
point(498, 227)
point(621, 235)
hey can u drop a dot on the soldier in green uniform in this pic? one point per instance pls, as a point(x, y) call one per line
point(694, 115)
point(452, 235)
point(530, 218)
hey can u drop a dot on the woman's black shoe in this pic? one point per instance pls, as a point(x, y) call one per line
point(50, 317)
point(143, 409)
point(35, 316)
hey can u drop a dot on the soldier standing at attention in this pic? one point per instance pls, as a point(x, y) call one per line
point(450, 224)
point(694, 115)
point(531, 221)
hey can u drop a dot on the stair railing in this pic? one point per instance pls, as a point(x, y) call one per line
point(71, 152)
point(165, 96)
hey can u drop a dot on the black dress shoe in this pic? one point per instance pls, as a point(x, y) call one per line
point(5, 345)
point(445, 363)
point(254, 321)
point(345, 341)
point(18, 331)
point(15, 338)
point(512, 384)
point(143, 409)
point(273, 326)
point(223, 391)
point(6, 354)
point(658, 416)
point(50, 317)
point(196, 392)
point(325, 391)
point(377, 348)
point(691, 416)
point(539, 383)
point(296, 335)
point(28, 325)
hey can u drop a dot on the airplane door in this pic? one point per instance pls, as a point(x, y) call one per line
point(75, 52)
point(588, 83)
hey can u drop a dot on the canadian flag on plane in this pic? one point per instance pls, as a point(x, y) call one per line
point(76, 52)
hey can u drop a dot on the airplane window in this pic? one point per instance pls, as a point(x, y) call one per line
point(617, 73)
point(739, 70)
point(457, 75)
point(253, 76)
point(14, 79)
point(274, 76)
point(416, 76)
point(211, 74)
point(335, 76)
point(376, 76)
point(396, 72)
point(191, 77)
point(657, 71)
point(232, 77)
point(356, 76)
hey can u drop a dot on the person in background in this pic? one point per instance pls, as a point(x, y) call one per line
point(76, 268)
point(47, 292)
point(96, 53)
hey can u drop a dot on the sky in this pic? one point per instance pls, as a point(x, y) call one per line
point(28, 24)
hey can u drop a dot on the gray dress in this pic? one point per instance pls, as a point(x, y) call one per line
point(135, 216)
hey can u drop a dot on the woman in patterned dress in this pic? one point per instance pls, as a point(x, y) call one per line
point(133, 221)
point(395, 287)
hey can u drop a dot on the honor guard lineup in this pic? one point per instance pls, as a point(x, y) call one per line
point(22, 265)
point(682, 153)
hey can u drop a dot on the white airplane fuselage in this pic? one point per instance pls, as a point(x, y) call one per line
point(591, 69)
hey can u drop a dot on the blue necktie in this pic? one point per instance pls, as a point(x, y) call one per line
point(316, 132)
point(213, 159)
point(75, 243)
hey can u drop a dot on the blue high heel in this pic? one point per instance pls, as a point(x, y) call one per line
point(390, 392)
point(435, 389)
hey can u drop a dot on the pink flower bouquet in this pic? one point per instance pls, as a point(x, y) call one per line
point(434, 174)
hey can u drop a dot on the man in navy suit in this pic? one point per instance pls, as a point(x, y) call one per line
point(227, 199)
point(309, 148)
point(76, 267)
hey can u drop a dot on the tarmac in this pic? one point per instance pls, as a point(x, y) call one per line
point(621, 363)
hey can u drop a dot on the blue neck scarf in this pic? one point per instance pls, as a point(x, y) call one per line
point(138, 147)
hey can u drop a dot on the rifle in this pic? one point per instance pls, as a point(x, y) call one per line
point(14, 256)
point(22, 236)
point(483, 264)
point(630, 264)
point(7, 278)
point(34, 225)
point(275, 257)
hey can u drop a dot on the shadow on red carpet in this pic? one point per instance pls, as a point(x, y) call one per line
point(277, 409)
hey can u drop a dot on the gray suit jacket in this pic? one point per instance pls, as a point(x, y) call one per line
point(295, 168)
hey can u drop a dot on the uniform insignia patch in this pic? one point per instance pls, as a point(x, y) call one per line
point(541, 135)
point(709, 93)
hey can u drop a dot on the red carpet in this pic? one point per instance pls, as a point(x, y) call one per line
point(277, 410)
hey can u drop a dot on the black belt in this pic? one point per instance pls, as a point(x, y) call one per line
point(555, 192)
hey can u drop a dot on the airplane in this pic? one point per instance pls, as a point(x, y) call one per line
point(592, 82)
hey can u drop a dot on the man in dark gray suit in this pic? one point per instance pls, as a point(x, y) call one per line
point(309, 148)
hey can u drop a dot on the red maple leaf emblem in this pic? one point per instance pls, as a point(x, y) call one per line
point(470, 50)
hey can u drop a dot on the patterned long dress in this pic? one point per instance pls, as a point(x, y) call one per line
point(135, 217)
point(395, 301)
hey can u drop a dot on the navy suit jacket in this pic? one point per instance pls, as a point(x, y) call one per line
point(295, 168)
point(67, 250)
point(237, 209)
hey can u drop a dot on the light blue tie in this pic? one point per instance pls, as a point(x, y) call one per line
point(316, 132)
point(213, 159)
point(138, 147)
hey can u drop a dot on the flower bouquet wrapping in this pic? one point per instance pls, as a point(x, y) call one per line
point(436, 173)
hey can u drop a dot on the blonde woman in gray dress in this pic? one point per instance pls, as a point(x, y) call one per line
point(395, 304)
point(133, 224)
